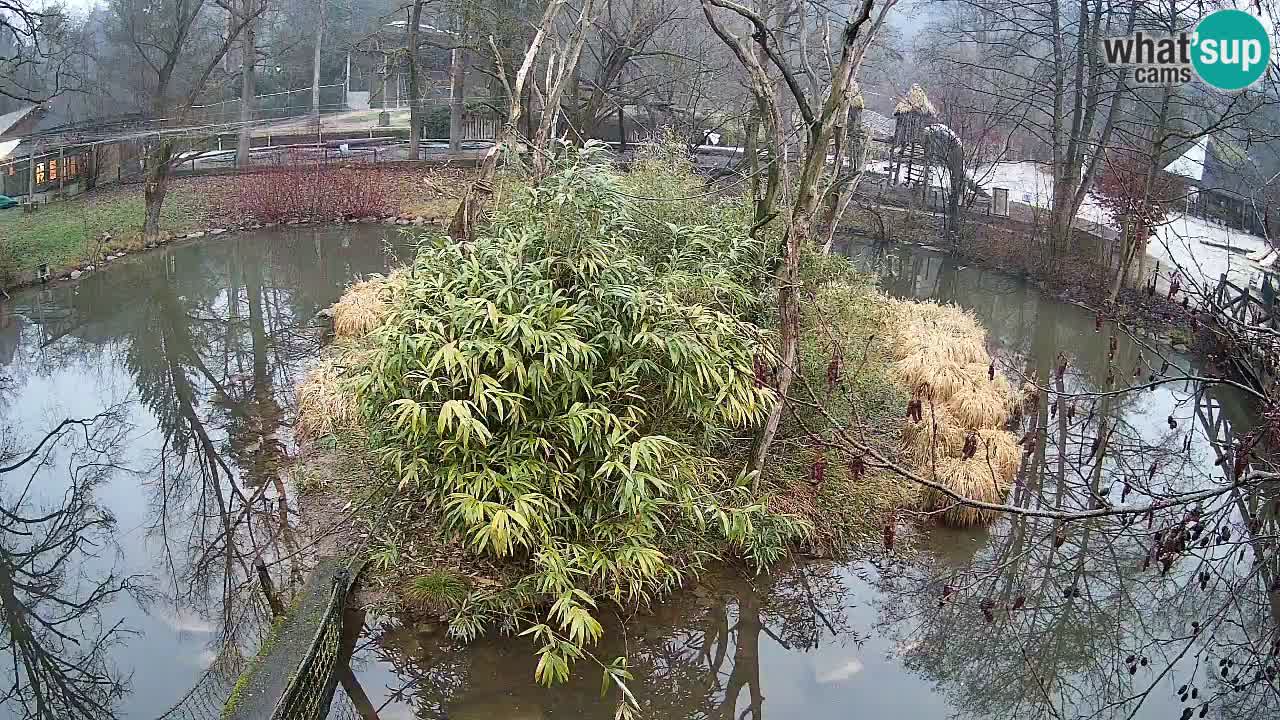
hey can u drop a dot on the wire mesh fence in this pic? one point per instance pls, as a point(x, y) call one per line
point(274, 106)
point(310, 691)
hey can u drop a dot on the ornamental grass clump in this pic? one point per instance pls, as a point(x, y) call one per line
point(955, 435)
point(563, 405)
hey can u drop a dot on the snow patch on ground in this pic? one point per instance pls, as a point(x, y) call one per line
point(1181, 241)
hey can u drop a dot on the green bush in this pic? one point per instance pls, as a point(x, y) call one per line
point(571, 395)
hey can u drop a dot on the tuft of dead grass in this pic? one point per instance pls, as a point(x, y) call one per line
point(362, 308)
point(937, 435)
point(940, 355)
point(324, 405)
point(976, 479)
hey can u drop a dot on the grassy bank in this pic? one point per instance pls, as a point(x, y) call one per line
point(63, 233)
point(67, 234)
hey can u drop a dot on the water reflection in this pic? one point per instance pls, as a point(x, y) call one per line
point(715, 652)
point(198, 349)
point(58, 572)
point(1123, 615)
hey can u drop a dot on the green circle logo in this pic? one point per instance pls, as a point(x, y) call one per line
point(1232, 49)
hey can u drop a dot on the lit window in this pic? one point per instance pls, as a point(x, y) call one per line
point(53, 169)
point(39, 173)
point(70, 170)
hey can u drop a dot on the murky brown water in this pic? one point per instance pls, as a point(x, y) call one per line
point(195, 349)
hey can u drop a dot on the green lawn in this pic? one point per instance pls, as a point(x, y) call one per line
point(60, 233)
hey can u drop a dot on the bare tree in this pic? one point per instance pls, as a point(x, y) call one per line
point(819, 122)
point(178, 46)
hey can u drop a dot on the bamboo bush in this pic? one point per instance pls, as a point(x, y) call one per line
point(564, 393)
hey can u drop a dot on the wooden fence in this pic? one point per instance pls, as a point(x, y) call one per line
point(1250, 314)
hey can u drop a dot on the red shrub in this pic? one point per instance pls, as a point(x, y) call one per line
point(315, 192)
point(1122, 190)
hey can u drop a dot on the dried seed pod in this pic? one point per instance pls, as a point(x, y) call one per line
point(761, 371)
point(857, 467)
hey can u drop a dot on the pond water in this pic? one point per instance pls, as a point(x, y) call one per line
point(136, 532)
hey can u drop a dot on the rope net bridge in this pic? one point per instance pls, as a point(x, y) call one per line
point(299, 665)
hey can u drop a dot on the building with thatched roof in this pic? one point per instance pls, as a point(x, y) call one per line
point(915, 102)
point(911, 115)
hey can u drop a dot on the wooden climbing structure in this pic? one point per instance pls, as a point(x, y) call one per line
point(908, 164)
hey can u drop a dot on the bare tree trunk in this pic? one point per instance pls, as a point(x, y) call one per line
point(415, 84)
point(248, 83)
point(846, 183)
point(821, 125)
point(457, 97)
point(475, 200)
point(155, 186)
point(315, 67)
point(555, 90)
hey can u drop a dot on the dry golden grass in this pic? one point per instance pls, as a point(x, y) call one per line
point(944, 378)
point(362, 308)
point(936, 436)
point(1001, 450)
point(978, 407)
point(324, 406)
point(941, 356)
point(975, 479)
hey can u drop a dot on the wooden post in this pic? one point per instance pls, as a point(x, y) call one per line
point(622, 131)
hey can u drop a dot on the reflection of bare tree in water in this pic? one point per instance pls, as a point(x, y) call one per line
point(697, 656)
point(221, 506)
point(53, 579)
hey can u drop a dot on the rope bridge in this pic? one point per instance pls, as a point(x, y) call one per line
point(278, 685)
